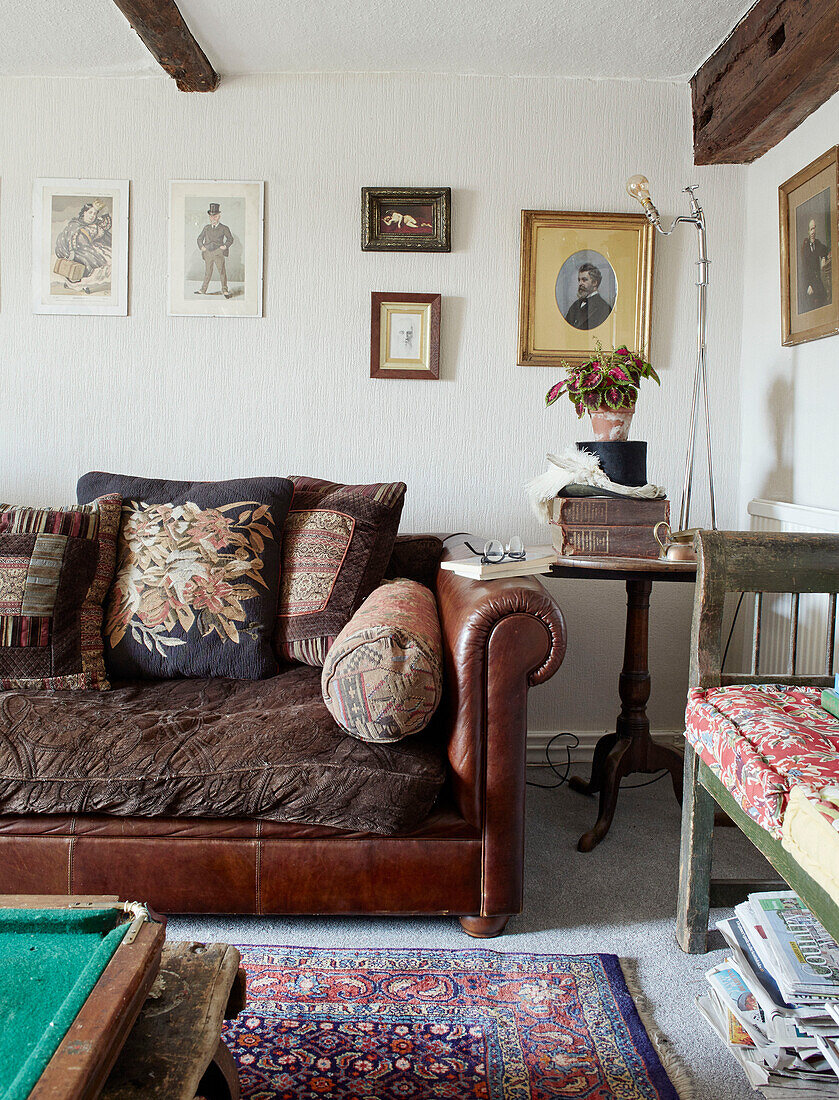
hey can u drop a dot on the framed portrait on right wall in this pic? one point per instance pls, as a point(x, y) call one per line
point(809, 219)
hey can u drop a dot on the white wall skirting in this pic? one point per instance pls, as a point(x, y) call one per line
point(537, 740)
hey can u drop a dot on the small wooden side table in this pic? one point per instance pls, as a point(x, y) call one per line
point(630, 748)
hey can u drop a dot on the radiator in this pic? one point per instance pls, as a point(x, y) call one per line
point(779, 612)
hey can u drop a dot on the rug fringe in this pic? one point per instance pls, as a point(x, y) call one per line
point(674, 1067)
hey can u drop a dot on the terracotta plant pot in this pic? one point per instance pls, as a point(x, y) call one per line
point(611, 425)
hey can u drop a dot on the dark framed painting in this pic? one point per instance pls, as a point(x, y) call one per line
point(405, 336)
point(584, 278)
point(406, 219)
point(809, 220)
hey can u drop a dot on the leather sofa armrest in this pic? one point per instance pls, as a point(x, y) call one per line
point(499, 638)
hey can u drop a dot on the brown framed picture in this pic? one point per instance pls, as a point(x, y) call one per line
point(809, 221)
point(406, 219)
point(584, 278)
point(405, 336)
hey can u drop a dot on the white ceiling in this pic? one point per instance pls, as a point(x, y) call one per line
point(647, 39)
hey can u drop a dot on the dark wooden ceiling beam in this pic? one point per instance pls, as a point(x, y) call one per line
point(168, 39)
point(776, 67)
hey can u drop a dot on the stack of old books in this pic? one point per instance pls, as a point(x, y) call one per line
point(610, 527)
point(774, 1002)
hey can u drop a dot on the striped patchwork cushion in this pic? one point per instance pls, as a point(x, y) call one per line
point(55, 569)
point(337, 542)
point(383, 677)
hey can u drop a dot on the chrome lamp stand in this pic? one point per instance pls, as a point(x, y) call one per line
point(638, 187)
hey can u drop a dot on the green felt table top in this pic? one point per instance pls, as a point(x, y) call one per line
point(50, 960)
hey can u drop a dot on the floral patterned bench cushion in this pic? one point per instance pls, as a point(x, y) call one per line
point(197, 575)
point(762, 740)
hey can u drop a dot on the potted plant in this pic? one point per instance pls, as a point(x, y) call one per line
point(605, 387)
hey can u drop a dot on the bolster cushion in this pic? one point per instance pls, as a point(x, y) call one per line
point(383, 676)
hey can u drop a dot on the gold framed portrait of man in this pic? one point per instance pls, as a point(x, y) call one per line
point(807, 213)
point(584, 278)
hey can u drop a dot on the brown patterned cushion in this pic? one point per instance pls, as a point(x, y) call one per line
point(55, 568)
point(195, 587)
point(337, 542)
point(383, 676)
point(210, 748)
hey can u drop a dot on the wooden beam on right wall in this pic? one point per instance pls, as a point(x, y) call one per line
point(776, 67)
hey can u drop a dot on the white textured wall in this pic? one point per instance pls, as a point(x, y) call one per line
point(290, 393)
point(788, 395)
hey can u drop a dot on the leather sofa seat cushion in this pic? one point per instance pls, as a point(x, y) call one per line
point(265, 749)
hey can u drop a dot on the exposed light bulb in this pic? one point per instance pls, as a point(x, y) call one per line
point(638, 187)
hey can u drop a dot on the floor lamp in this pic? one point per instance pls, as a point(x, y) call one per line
point(639, 188)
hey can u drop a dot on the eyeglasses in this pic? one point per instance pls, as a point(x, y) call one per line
point(495, 551)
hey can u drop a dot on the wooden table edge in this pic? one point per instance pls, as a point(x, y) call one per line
point(620, 568)
point(85, 1056)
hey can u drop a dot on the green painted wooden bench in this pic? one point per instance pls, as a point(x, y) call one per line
point(759, 562)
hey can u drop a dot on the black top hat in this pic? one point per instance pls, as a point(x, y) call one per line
point(214, 208)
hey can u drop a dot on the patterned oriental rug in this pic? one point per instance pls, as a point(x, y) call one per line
point(465, 1025)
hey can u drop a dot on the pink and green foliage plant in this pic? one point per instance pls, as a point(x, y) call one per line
point(607, 379)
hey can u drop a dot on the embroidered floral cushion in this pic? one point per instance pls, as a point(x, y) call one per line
point(337, 543)
point(55, 569)
point(198, 567)
point(383, 676)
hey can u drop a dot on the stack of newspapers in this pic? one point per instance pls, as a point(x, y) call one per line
point(774, 1001)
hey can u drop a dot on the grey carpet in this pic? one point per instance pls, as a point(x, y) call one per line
point(620, 898)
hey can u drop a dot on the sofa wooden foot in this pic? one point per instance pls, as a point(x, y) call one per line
point(484, 928)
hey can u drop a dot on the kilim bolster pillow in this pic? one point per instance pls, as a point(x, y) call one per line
point(383, 676)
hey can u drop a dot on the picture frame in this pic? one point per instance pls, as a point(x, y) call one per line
point(567, 257)
point(216, 248)
point(405, 336)
point(406, 219)
point(808, 220)
point(80, 246)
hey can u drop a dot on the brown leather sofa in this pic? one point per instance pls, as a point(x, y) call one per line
point(466, 858)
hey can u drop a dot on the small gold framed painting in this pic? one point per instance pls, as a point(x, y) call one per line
point(406, 219)
point(584, 278)
point(405, 336)
point(809, 277)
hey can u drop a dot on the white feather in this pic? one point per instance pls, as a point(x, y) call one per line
point(574, 466)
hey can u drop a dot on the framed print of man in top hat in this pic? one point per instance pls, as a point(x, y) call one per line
point(215, 248)
point(215, 240)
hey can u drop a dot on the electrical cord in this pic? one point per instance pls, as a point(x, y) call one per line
point(646, 783)
point(563, 775)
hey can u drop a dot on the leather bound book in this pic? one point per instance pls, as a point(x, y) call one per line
point(609, 511)
point(602, 541)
